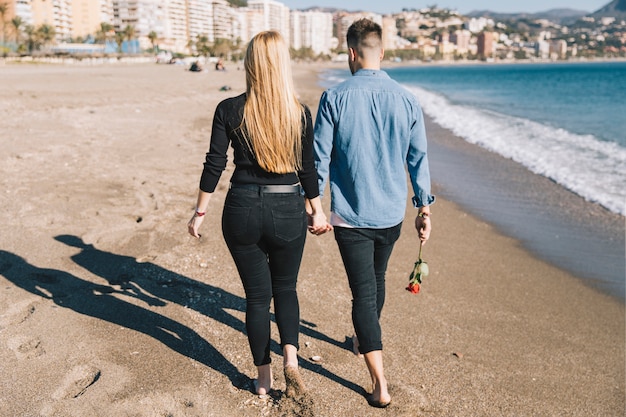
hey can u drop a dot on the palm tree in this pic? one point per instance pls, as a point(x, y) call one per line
point(31, 37)
point(17, 23)
point(45, 33)
point(153, 38)
point(104, 33)
point(202, 45)
point(119, 39)
point(129, 33)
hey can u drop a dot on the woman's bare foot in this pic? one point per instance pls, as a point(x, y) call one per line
point(263, 384)
point(293, 382)
point(355, 346)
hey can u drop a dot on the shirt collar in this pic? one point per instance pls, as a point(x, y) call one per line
point(363, 72)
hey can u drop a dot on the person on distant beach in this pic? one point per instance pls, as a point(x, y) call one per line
point(219, 65)
point(367, 130)
point(265, 214)
point(195, 66)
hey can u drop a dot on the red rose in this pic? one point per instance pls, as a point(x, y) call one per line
point(413, 287)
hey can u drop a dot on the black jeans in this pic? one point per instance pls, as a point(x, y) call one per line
point(265, 234)
point(365, 253)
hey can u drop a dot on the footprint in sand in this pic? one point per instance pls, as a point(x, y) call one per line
point(25, 348)
point(17, 313)
point(77, 381)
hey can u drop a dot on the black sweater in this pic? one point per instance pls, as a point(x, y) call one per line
point(225, 131)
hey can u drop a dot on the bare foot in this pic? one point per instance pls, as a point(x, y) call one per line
point(355, 346)
point(263, 384)
point(293, 381)
point(379, 397)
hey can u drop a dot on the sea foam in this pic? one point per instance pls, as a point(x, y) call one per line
point(587, 166)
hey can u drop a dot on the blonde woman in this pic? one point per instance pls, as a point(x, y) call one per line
point(264, 221)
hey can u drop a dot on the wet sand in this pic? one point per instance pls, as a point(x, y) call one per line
point(109, 308)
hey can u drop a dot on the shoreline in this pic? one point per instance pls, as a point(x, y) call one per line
point(107, 304)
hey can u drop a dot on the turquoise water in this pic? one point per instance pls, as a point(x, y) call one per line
point(565, 121)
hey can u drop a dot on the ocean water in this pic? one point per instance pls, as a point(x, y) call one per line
point(565, 121)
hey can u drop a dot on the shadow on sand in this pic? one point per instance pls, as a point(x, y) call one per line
point(155, 286)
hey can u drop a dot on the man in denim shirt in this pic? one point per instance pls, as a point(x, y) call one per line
point(367, 130)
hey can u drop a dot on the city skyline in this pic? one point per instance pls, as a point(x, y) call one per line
point(463, 6)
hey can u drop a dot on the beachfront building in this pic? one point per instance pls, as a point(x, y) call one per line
point(225, 21)
point(312, 29)
point(21, 8)
point(461, 38)
point(87, 15)
point(144, 16)
point(275, 15)
point(199, 19)
point(485, 45)
point(56, 13)
point(174, 35)
point(558, 49)
point(252, 22)
point(390, 33)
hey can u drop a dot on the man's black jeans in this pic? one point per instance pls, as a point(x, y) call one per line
point(365, 253)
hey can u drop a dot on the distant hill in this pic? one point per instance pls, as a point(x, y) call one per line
point(616, 8)
point(561, 16)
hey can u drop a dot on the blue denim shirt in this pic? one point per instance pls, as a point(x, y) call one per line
point(367, 130)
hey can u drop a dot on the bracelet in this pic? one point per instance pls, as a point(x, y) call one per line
point(200, 213)
point(423, 215)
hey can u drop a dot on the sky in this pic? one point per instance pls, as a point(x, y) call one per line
point(463, 6)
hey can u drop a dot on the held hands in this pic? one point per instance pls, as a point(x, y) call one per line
point(423, 226)
point(316, 219)
point(317, 223)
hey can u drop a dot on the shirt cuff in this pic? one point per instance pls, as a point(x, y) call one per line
point(423, 201)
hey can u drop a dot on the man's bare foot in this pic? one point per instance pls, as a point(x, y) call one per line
point(379, 397)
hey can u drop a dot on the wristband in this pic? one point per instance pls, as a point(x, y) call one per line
point(200, 213)
point(423, 215)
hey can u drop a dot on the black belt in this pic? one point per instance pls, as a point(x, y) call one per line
point(269, 189)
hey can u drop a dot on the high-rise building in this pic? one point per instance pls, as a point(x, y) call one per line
point(21, 8)
point(485, 44)
point(87, 15)
point(252, 22)
point(144, 16)
point(199, 19)
point(390, 33)
point(174, 36)
point(275, 16)
point(461, 38)
point(56, 13)
point(223, 21)
point(312, 29)
point(558, 49)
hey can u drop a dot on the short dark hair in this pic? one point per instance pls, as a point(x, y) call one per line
point(364, 33)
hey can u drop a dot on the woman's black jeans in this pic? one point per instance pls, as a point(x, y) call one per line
point(265, 233)
point(365, 253)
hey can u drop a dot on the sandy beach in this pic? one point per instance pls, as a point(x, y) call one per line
point(109, 308)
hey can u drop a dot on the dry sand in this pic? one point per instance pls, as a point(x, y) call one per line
point(109, 308)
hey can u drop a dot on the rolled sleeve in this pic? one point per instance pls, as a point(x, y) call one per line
point(417, 162)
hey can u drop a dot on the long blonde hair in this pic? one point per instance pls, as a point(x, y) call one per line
point(272, 116)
